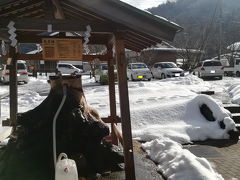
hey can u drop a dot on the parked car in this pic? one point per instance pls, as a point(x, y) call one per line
point(101, 73)
point(209, 68)
point(166, 70)
point(22, 73)
point(67, 68)
point(138, 71)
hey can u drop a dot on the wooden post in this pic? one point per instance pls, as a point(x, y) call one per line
point(112, 98)
point(13, 87)
point(124, 107)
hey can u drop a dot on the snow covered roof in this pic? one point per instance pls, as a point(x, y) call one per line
point(178, 50)
point(234, 47)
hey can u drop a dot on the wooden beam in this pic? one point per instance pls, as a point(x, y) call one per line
point(21, 7)
point(24, 37)
point(132, 48)
point(112, 96)
point(124, 107)
point(34, 12)
point(48, 9)
point(134, 45)
point(58, 10)
point(11, 3)
point(30, 56)
point(139, 40)
point(93, 57)
point(32, 24)
point(13, 87)
point(40, 57)
point(145, 37)
point(83, 11)
point(112, 119)
point(76, 14)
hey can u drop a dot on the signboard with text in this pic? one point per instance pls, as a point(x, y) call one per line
point(62, 49)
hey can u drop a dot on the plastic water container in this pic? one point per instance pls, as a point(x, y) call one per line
point(65, 169)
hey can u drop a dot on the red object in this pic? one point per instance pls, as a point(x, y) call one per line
point(6, 74)
point(25, 73)
point(66, 170)
point(222, 68)
point(202, 69)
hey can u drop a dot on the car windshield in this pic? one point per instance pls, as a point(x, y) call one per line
point(212, 63)
point(168, 65)
point(19, 66)
point(138, 66)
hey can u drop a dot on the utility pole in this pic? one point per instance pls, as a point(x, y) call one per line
point(220, 30)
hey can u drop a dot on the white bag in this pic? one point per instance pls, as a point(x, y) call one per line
point(66, 169)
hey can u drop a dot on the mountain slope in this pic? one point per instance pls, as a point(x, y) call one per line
point(201, 21)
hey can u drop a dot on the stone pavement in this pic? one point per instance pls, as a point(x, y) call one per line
point(224, 156)
point(145, 169)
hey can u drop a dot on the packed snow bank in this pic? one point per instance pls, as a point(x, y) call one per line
point(177, 163)
point(183, 122)
point(186, 80)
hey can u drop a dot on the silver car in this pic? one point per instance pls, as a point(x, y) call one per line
point(67, 68)
point(209, 68)
point(166, 70)
point(138, 71)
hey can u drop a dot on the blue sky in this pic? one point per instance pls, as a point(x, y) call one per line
point(144, 4)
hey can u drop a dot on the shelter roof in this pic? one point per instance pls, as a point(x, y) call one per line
point(140, 28)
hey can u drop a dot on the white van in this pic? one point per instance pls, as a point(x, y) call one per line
point(22, 73)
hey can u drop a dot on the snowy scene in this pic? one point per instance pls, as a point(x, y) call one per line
point(119, 89)
point(164, 114)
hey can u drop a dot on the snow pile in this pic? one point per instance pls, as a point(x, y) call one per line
point(177, 163)
point(183, 122)
point(234, 91)
point(30, 97)
point(186, 80)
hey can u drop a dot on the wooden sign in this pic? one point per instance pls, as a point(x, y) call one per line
point(62, 49)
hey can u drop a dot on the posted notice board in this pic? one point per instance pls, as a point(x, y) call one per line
point(62, 49)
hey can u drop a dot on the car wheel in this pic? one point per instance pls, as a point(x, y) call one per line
point(163, 76)
point(199, 75)
point(132, 78)
point(149, 79)
point(238, 74)
point(220, 77)
point(152, 76)
point(58, 73)
point(25, 82)
point(96, 79)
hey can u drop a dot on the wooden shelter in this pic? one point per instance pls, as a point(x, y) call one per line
point(114, 24)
